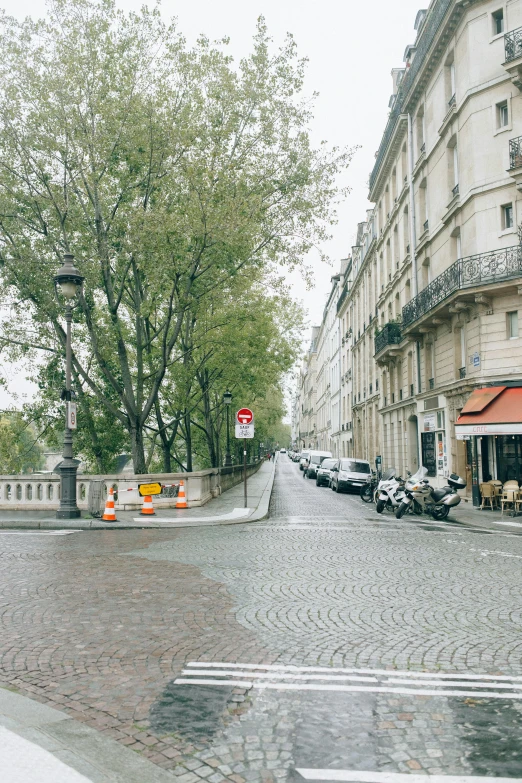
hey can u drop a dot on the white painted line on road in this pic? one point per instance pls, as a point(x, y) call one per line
point(283, 686)
point(38, 532)
point(274, 675)
point(331, 670)
point(236, 513)
point(463, 684)
point(486, 552)
point(359, 776)
point(236, 683)
point(509, 524)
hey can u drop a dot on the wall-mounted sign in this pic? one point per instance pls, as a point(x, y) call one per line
point(430, 422)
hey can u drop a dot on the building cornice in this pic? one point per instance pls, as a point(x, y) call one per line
point(441, 21)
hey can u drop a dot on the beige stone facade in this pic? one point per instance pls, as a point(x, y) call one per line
point(430, 302)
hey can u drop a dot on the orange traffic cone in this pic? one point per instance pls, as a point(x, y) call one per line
point(110, 514)
point(148, 508)
point(182, 500)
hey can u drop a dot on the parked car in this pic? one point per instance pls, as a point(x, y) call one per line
point(314, 462)
point(324, 472)
point(282, 451)
point(303, 459)
point(349, 474)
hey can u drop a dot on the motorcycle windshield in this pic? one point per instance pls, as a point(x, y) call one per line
point(389, 474)
point(419, 475)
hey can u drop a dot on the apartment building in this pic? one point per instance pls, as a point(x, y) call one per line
point(306, 402)
point(430, 302)
point(328, 376)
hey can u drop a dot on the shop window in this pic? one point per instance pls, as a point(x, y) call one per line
point(512, 324)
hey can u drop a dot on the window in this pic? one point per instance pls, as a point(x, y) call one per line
point(498, 21)
point(512, 325)
point(502, 114)
point(507, 216)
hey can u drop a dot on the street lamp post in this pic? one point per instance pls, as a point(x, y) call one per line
point(227, 399)
point(69, 281)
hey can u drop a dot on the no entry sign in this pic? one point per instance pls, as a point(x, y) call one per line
point(245, 416)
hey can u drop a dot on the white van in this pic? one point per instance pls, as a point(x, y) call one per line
point(315, 458)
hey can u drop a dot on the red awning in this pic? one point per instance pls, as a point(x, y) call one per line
point(495, 410)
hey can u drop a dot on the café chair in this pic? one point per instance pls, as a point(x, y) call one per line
point(488, 494)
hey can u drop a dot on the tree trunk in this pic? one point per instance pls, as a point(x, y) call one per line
point(188, 441)
point(138, 449)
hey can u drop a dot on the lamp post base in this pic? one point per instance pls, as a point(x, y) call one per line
point(68, 508)
point(72, 513)
point(228, 461)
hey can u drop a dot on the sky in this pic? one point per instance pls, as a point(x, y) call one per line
point(351, 47)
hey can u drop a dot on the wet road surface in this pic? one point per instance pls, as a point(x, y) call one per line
point(324, 643)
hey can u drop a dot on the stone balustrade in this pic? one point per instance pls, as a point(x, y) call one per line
point(42, 491)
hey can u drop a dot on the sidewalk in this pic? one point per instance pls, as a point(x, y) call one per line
point(42, 745)
point(227, 509)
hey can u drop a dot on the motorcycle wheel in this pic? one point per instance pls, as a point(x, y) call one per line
point(440, 512)
point(381, 504)
point(401, 511)
point(367, 494)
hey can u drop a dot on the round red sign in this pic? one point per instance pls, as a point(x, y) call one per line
point(245, 416)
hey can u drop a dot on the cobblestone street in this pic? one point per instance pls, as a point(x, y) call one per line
point(313, 641)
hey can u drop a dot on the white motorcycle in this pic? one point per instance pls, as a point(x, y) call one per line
point(390, 491)
point(436, 502)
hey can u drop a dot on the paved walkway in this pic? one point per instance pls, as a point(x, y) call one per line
point(228, 508)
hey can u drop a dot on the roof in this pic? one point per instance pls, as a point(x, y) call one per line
point(494, 410)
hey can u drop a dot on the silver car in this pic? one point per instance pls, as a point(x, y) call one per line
point(324, 473)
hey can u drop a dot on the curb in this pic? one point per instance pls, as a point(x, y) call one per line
point(261, 512)
point(70, 742)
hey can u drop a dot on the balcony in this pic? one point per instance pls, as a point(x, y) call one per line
point(498, 268)
point(387, 340)
point(515, 161)
point(513, 55)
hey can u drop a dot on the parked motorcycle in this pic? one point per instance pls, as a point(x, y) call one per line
point(367, 492)
point(390, 492)
point(436, 502)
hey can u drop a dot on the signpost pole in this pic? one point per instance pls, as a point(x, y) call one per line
point(245, 469)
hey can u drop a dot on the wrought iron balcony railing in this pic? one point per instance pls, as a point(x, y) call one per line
point(462, 372)
point(455, 190)
point(513, 44)
point(515, 152)
point(431, 383)
point(492, 267)
point(389, 335)
point(426, 225)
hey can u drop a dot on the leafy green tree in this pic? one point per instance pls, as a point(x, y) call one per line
point(166, 170)
point(19, 450)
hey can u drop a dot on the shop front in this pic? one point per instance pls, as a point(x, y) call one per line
point(491, 425)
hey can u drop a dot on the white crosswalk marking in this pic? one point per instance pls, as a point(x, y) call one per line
point(317, 678)
point(357, 776)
